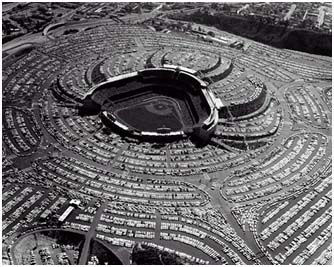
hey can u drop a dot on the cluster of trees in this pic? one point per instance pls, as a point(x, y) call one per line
point(70, 31)
point(142, 254)
point(69, 5)
point(104, 255)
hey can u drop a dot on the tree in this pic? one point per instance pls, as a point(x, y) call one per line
point(214, 6)
point(211, 33)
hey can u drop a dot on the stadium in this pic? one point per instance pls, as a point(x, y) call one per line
point(129, 138)
point(156, 104)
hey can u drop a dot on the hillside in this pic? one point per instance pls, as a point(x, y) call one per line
point(279, 36)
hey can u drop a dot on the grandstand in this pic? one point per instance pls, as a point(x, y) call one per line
point(169, 101)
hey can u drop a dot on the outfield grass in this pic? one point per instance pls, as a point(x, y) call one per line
point(152, 114)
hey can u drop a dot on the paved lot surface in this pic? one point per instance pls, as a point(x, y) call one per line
point(252, 195)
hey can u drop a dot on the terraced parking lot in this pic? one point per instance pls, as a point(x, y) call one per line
point(258, 193)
